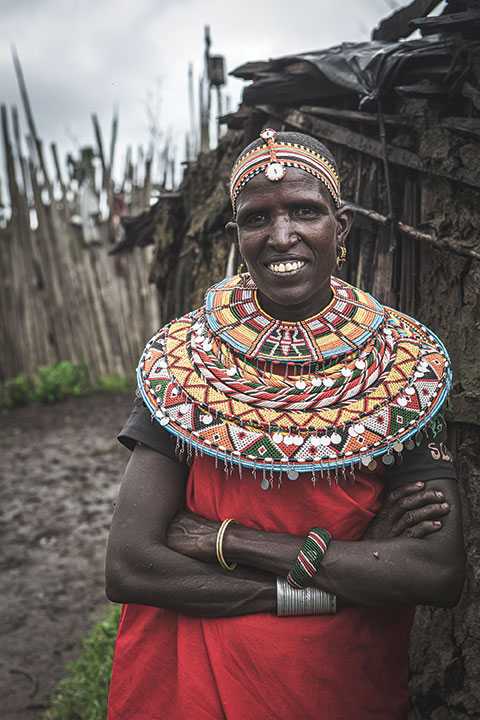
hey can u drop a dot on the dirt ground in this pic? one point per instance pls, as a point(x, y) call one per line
point(60, 469)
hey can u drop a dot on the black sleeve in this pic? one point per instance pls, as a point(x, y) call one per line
point(142, 428)
point(429, 459)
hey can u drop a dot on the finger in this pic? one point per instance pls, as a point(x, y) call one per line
point(422, 529)
point(404, 491)
point(420, 499)
point(419, 515)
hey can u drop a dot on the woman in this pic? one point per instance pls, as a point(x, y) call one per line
point(289, 496)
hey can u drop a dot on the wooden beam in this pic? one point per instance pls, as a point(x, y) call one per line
point(472, 93)
point(414, 233)
point(350, 138)
point(353, 115)
point(357, 141)
point(468, 20)
point(469, 126)
point(397, 25)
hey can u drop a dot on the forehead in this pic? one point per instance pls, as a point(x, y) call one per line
point(297, 185)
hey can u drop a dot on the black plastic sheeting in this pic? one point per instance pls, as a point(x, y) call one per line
point(366, 70)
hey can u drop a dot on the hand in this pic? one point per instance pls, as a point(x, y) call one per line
point(194, 536)
point(409, 511)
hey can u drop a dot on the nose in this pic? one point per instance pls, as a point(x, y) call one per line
point(282, 233)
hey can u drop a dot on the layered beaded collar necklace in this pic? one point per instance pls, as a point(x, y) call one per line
point(324, 395)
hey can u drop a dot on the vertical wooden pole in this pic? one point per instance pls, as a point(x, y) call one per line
point(147, 184)
point(207, 94)
point(31, 123)
point(219, 111)
point(165, 164)
point(113, 140)
point(106, 179)
point(7, 292)
point(100, 151)
point(204, 143)
point(53, 148)
point(21, 158)
point(192, 148)
point(127, 176)
point(12, 181)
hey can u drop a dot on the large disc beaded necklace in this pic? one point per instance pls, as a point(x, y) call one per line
point(324, 396)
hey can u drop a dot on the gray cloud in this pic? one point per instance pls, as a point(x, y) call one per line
point(85, 56)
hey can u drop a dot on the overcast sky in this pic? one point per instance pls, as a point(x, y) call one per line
point(86, 56)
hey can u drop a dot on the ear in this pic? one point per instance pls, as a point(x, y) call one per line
point(232, 231)
point(344, 220)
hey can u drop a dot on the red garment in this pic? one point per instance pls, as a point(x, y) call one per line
point(349, 665)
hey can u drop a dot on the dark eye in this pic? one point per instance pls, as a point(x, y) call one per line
point(254, 220)
point(306, 212)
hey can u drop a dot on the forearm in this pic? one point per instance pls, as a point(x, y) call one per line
point(141, 569)
point(398, 571)
point(162, 578)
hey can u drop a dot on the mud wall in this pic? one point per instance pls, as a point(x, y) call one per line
point(441, 289)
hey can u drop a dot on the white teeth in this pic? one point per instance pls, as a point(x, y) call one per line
point(286, 267)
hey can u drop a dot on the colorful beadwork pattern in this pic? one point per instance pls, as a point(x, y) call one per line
point(352, 383)
point(347, 323)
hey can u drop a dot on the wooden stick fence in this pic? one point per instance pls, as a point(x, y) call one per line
point(60, 297)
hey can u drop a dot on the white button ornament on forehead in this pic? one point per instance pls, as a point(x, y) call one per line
point(275, 170)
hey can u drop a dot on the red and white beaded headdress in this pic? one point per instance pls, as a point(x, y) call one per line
point(274, 158)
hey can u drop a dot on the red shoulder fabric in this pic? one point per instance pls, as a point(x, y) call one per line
point(352, 664)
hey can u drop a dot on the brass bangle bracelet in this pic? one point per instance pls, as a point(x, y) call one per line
point(219, 544)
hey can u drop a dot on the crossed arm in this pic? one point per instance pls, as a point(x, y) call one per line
point(157, 556)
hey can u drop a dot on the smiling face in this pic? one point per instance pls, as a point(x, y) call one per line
point(288, 233)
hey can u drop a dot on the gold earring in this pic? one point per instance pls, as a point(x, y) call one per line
point(342, 257)
point(241, 276)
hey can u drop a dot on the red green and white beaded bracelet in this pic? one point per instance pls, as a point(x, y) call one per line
point(309, 558)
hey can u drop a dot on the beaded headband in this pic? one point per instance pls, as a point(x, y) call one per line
point(274, 158)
